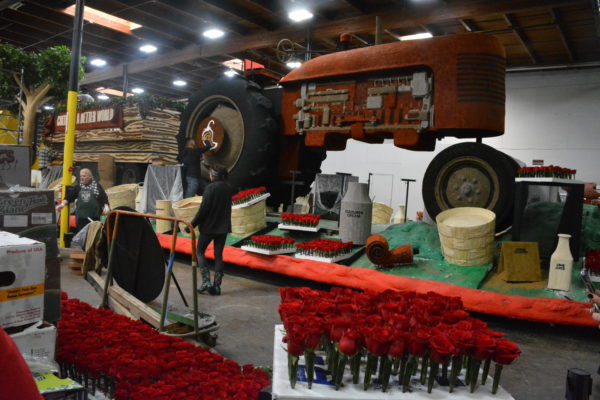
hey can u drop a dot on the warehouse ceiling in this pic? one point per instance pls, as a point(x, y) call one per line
point(536, 34)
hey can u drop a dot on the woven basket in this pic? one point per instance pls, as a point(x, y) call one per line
point(467, 235)
point(185, 210)
point(164, 209)
point(381, 213)
point(122, 195)
point(247, 220)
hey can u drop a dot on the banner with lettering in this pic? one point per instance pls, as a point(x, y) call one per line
point(91, 119)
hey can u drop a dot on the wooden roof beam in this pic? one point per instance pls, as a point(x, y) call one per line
point(359, 5)
point(519, 32)
point(393, 20)
point(556, 18)
point(256, 20)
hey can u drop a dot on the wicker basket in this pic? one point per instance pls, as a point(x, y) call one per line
point(186, 210)
point(381, 213)
point(122, 195)
point(247, 220)
point(164, 209)
point(467, 235)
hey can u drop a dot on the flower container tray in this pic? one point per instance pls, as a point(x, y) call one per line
point(268, 252)
point(594, 276)
point(299, 228)
point(323, 389)
point(324, 259)
point(548, 180)
point(252, 201)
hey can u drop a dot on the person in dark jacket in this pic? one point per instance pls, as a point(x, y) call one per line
point(191, 159)
point(92, 200)
point(213, 220)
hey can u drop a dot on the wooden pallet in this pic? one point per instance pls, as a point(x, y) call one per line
point(76, 261)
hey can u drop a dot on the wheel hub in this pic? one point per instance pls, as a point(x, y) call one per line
point(468, 187)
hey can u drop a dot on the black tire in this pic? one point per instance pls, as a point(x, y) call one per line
point(249, 149)
point(471, 175)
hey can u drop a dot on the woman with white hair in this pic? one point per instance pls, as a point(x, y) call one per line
point(91, 199)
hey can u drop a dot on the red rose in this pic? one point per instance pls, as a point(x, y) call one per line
point(399, 344)
point(506, 352)
point(485, 346)
point(338, 327)
point(454, 316)
point(289, 309)
point(377, 340)
point(441, 348)
point(462, 340)
point(418, 342)
point(351, 342)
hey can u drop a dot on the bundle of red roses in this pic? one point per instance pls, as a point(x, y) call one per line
point(550, 171)
point(246, 195)
point(131, 361)
point(400, 330)
point(325, 248)
point(270, 242)
point(307, 220)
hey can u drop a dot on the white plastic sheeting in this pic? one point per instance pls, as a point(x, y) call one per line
point(162, 182)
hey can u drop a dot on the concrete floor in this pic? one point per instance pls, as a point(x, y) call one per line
point(247, 312)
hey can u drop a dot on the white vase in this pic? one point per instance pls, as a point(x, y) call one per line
point(561, 265)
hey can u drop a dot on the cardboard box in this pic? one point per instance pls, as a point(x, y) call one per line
point(26, 208)
point(38, 340)
point(22, 274)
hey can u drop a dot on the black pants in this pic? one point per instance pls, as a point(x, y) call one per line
point(219, 244)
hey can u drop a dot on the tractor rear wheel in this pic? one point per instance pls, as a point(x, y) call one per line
point(471, 175)
point(249, 148)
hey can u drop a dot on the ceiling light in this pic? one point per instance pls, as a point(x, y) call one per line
point(179, 82)
point(47, 107)
point(98, 62)
point(425, 35)
point(148, 48)
point(213, 33)
point(300, 14)
point(293, 64)
point(137, 90)
point(102, 97)
point(230, 73)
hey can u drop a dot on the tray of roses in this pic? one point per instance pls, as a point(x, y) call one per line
point(324, 388)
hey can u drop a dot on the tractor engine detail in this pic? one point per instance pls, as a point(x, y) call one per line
point(369, 110)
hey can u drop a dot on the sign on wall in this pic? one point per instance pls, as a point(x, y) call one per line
point(91, 119)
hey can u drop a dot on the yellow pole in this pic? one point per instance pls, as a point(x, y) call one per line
point(68, 161)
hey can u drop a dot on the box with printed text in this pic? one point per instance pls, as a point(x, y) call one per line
point(22, 274)
point(26, 208)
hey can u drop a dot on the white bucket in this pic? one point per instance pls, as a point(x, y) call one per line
point(467, 235)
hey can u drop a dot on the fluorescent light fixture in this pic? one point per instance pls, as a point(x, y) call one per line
point(234, 63)
point(102, 97)
point(47, 107)
point(230, 73)
point(179, 82)
point(293, 64)
point(137, 90)
point(112, 92)
point(148, 48)
point(425, 35)
point(101, 18)
point(300, 14)
point(213, 33)
point(98, 62)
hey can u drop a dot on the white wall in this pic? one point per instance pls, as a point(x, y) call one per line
point(553, 115)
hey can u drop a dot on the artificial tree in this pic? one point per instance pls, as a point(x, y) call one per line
point(41, 75)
